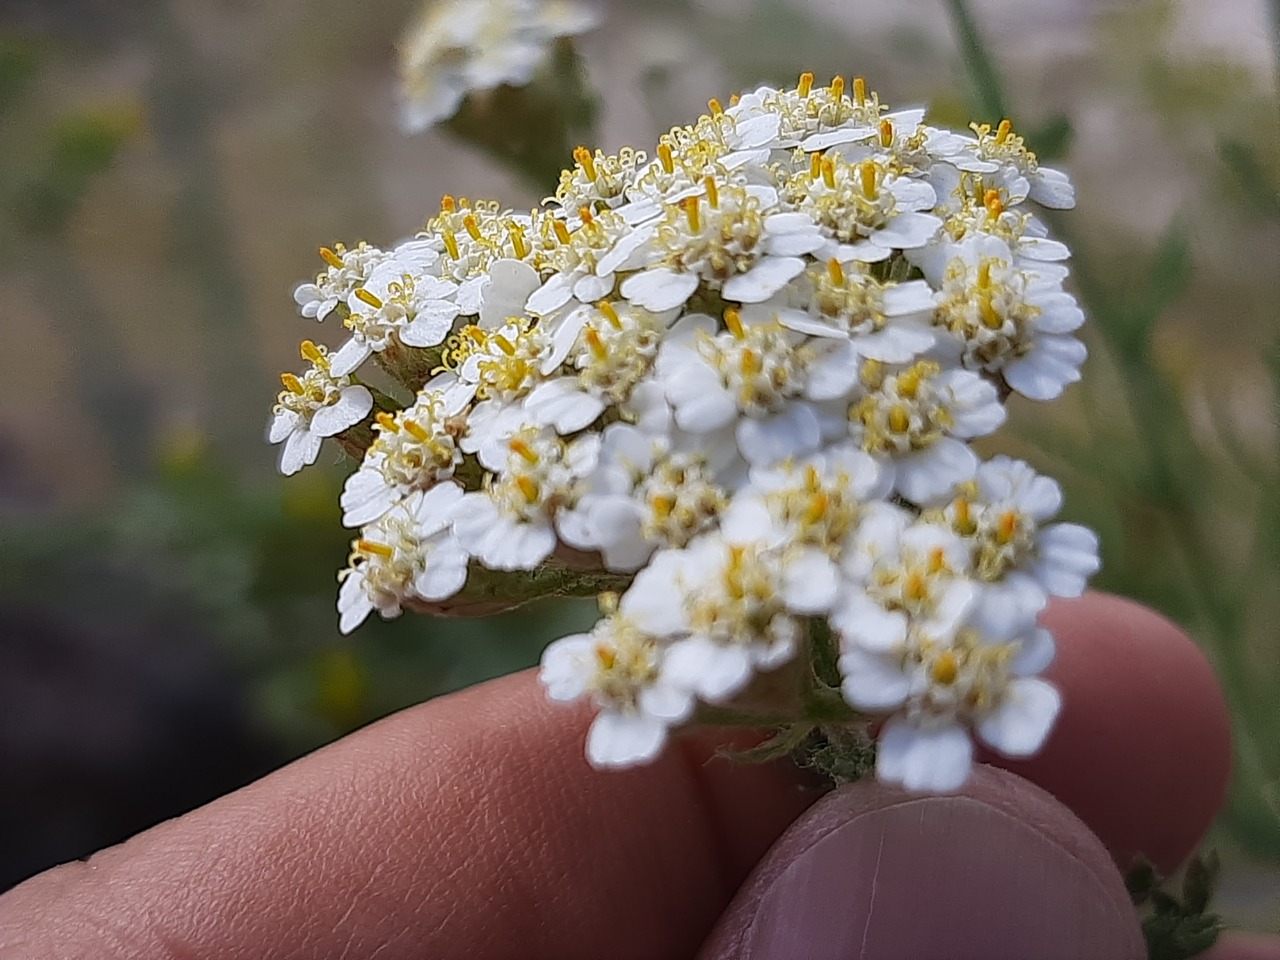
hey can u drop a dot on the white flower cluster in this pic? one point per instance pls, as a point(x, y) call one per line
point(741, 376)
point(457, 47)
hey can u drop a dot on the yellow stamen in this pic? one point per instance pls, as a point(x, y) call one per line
point(991, 317)
point(829, 172)
point(562, 232)
point(805, 84)
point(292, 384)
point(733, 320)
point(662, 505)
point(596, 343)
point(909, 382)
point(331, 258)
point(585, 214)
point(937, 560)
point(451, 244)
point(369, 298)
point(991, 200)
point(373, 548)
point(528, 486)
point(964, 517)
point(1003, 131)
point(608, 603)
point(522, 449)
point(886, 133)
point(610, 314)
point(516, 232)
point(899, 418)
point(586, 161)
point(664, 155)
point(606, 656)
point(837, 87)
point(1007, 528)
point(916, 587)
point(714, 105)
point(867, 173)
point(313, 353)
point(860, 91)
point(835, 272)
point(945, 669)
point(691, 206)
point(751, 363)
point(818, 505)
point(713, 192)
point(448, 204)
point(473, 228)
point(734, 99)
point(387, 422)
point(505, 345)
point(416, 430)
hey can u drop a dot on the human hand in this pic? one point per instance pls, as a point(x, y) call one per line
point(472, 826)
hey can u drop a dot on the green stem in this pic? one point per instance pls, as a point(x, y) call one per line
point(979, 61)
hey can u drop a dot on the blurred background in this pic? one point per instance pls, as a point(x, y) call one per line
point(168, 169)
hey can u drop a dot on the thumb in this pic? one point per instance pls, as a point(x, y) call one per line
point(1000, 869)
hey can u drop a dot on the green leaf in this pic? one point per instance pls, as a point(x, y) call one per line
point(1141, 880)
point(1199, 881)
point(841, 753)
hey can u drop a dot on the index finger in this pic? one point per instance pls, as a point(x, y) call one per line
point(471, 826)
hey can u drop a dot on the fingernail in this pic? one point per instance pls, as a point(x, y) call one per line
point(998, 870)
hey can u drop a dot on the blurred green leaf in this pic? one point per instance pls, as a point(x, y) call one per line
point(1141, 881)
point(18, 64)
point(83, 147)
point(1199, 881)
point(1258, 193)
point(988, 88)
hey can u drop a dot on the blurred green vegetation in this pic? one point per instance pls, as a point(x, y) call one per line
point(161, 195)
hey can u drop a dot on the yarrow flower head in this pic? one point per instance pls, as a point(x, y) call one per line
point(731, 388)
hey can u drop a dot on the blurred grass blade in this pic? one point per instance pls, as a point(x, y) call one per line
point(977, 59)
point(1129, 329)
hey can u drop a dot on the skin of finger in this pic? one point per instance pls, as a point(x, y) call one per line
point(998, 869)
point(470, 824)
point(1142, 749)
point(1235, 945)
